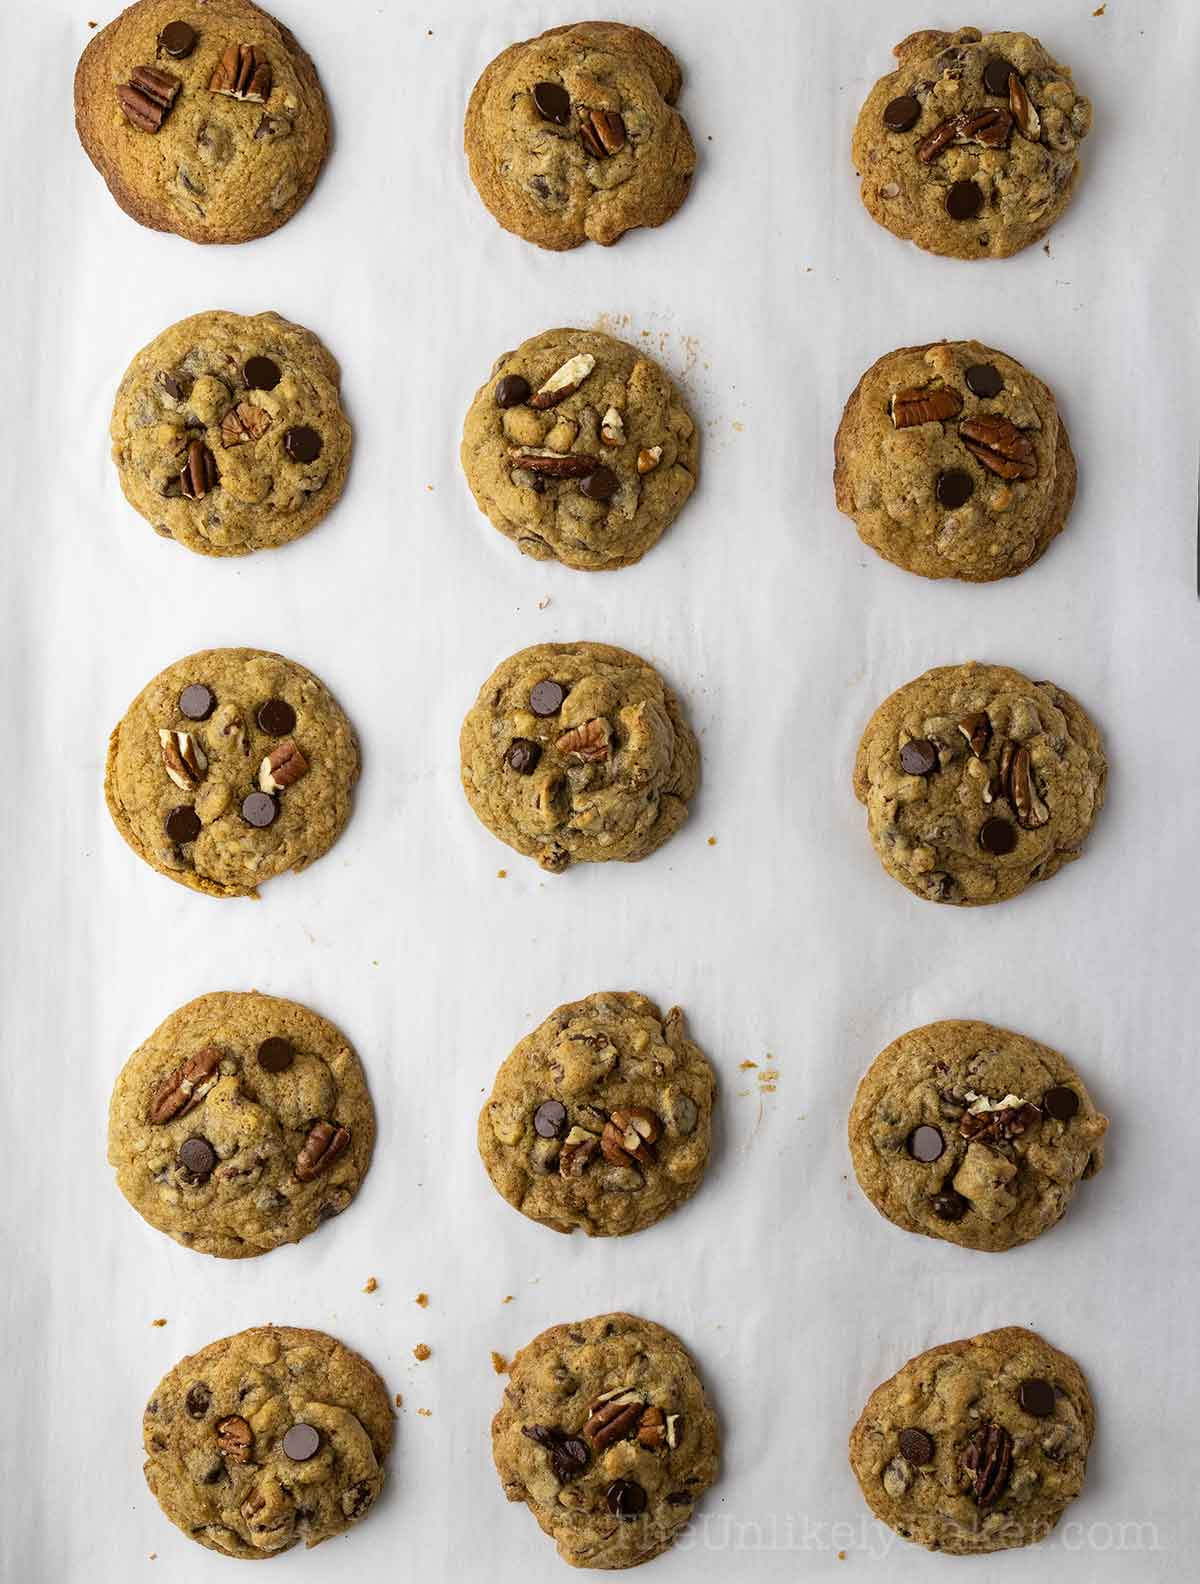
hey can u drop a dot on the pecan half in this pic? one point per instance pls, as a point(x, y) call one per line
point(553, 463)
point(564, 382)
point(629, 1134)
point(977, 729)
point(325, 1142)
point(987, 1461)
point(1029, 123)
point(587, 743)
point(147, 97)
point(185, 1087)
point(244, 422)
point(612, 1417)
point(999, 445)
point(1022, 791)
point(941, 137)
point(989, 126)
point(199, 472)
point(914, 406)
point(282, 767)
point(235, 1438)
point(243, 72)
point(602, 132)
point(579, 1147)
point(183, 758)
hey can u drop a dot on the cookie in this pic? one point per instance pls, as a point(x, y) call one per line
point(970, 147)
point(243, 1122)
point(231, 766)
point(267, 1438)
point(578, 753)
point(573, 136)
point(607, 1437)
point(228, 433)
point(978, 782)
point(977, 1445)
point(204, 117)
point(601, 1118)
point(953, 462)
point(580, 449)
point(973, 1134)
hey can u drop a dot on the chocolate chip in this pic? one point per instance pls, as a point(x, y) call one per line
point(198, 1400)
point(171, 385)
point(1061, 1103)
point(997, 837)
point(901, 113)
point(984, 379)
point(916, 1446)
point(197, 702)
point(276, 1055)
point(625, 1498)
point(948, 1205)
point(964, 200)
point(276, 717)
point(546, 698)
point(603, 484)
point(954, 487)
point(512, 390)
point(552, 102)
point(548, 1119)
point(182, 824)
point(523, 755)
point(1037, 1397)
point(177, 39)
point(260, 809)
point(260, 373)
point(302, 444)
point(678, 1498)
point(301, 1442)
point(570, 1457)
point(918, 757)
point(925, 1143)
point(197, 1156)
point(995, 77)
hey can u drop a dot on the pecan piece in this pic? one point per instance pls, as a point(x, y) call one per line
point(282, 767)
point(578, 1149)
point(998, 1124)
point(652, 1429)
point(243, 72)
point(199, 473)
point(1022, 792)
point(977, 729)
point(325, 1142)
point(564, 382)
point(602, 132)
point(185, 1087)
point(987, 1461)
point(915, 406)
point(554, 464)
point(183, 758)
point(941, 137)
point(612, 1417)
point(629, 1134)
point(999, 445)
point(587, 743)
point(147, 97)
point(244, 422)
point(1029, 123)
point(235, 1438)
point(649, 458)
point(989, 126)
point(612, 428)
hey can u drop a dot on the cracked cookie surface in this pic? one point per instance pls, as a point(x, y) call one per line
point(953, 461)
point(580, 449)
point(605, 1433)
point(205, 119)
point(262, 398)
point(973, 1134)
point(969, 148)
point(242, 1123)
point(231, 766)
point(573, 136)
point(976, 1445)
point(601, 1118)
point(267, 1438)
point(578, 753)
point(978, 782)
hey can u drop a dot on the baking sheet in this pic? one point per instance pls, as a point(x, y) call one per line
point(768, 918)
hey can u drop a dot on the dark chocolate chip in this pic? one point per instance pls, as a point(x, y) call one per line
point(276, 1055)
point(523, 755)
point(570, 1457)
point(546, 698)
point(552, 102)
point(679, 1498)
point(1061, 1103)
point(171, 385)
point(964, 200)
point(984, 379)
point(197, 1156)
point(177, 39)
point(948, 1205)
point(512, 390)
point(260, 809)
point(301, 1442)
point(182, 823)
point(916, 1446)
point(603, 484)
point(276, 717)
point(548, 1119)
point(197, 702)
point(901, 113)
point(198, 1400)
point(954, 487)
point(260, 373)
point(1037, 1397)
point(302, 444)
point(925, 1143)
point(625, 1498)
point(918, 757)
point(997, 836)
point(995, 77)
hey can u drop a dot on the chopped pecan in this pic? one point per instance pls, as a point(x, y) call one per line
point(915, 406)
point(244, 422)
point(325, 1142)
point(1029, 123)
point(652, 1429)
point(1022, 792)
point(147, 97)
point(282, 767)
point(564, 382)
point(977, 729)
point(989, 126)
point(243, 72)
point(183, 758)
point(941, 137)
point(185, 1087)
point(629, 1134)
point(612, 1417)
point(578, 1149)
point(612, 428)
point(649, 458)
point(987, 1461)
point(998, 1124)
point(999, 445)
point(588, 743)
point(199, 473)
point(235, 1438)
point(553, 463)
point(602, 132)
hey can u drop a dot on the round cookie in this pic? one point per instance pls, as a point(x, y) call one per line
point(973, 1134)
point(205, 117)
point(231, 766)
point(978, 1445)
point(573, 136)
point(578, 753)
point(267, 1438)
point(601, 1118)
point(606, 1435)
point(978, 782)
point(969, 148)
point(953, 462)
point(580, 449)
point(228, 432)
point(243, 1122)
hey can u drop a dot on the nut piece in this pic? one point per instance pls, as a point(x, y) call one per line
point(989, 126)
point(612, 428)
point(628, 1136)
point(915, 406)
point(235, 1438)
point(602, 132)
point(242, 73)
point(185, 1087)
point(977, 729)
point(1022, 792)
point(649, 458)
point(564, 382)
point(282, 767)
point(147, 97)
point(587, 743)
point(612, 1417)
point(325, 1142)
point(986, 1460)
point(552, 463)
point(652, 1429)
point(999, 445)
point(995, 1124)
point(579, 1147)
point(183, 758)
point(1029, 123)
point(199, 472)
point(244, 422)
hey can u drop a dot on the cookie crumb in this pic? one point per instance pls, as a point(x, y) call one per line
point(499, 1363)
point(542, 603)
point(1099, 11)
point(421, 1352)
point(501, 874)
point(399, 1399)
point(158, 1322)
point(841, 1556)
point(372, 1285)
point(746, 1065)
point(507, 1299)
point(422, 1300)
point(426, 1413)
point(712, 841)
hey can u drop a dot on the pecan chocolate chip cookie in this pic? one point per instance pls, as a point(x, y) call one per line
point(977, 1445)
point(580, 449)
point(969, 148)
point(228, 432)
point(231, 766)
point(601, 1118)
point(578, 753)
point(607, 1437)
point(953, 462)
point(973, 1134)
point(978, 782)
point(573, 136)
point(204, 117)
point(267, 1438)
point(242, 1123)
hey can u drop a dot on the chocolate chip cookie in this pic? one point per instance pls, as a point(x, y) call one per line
point(978, 782)
point(243, 1122)
point(204, 117)
point(580, 449)
point(228, 432)
point(973, 1134)
point(601, 1118)
point(231, 766)
point(977, 1445)
point(267, 1438)
point(953, 462)
point(970, 147)
point(606, 1435)
point(578, 753)
point(573, 136)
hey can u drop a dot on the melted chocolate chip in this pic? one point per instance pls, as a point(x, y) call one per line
point(995, 77)
point(984, 380)
point(276, 1055)
point(302, 444)
point(260, 809)
point(552, 102)
point(918, 757)
point(177, 40)
point(198, 1400)
point(625, 1498)
point(197, 1156)
point(1060, 1102)
point(546, 698)
point(523, 755)
point(948, 1205)
point(548, 1119)
point(197, 702)
point(1037, 1397)
point(925, 1143)
point(602, 485)
point(260, 373)
point(964, 200)
point(954, 487)
point(182, 824)
point(916, 1445)
point(512, 390)
point(997, 836)
point(276, 717)
point(901, 113)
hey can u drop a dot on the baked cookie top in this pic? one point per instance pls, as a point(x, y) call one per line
point(973, 1134)
point(978, 782)
point(976, 1445)
point(231, 766)
point(228, 432)
point(578, 753)
point(969, 148)
point(573, 136)
point(204, 117)
point(953, 462)
point(601, 1118)
point(580, 449)
point(605, 1434)
point(266, 1438)
point(243, 1122)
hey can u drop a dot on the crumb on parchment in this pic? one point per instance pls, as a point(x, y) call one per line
point(421, 1352)
point(422, 1299)
point(371, 1286)
point(499, 1363)
point(158, 1322)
